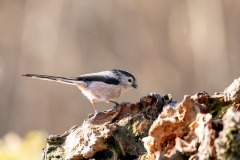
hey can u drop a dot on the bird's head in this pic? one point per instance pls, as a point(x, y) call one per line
point(126, 79)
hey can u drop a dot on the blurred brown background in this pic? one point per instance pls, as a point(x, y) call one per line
point(177, 47)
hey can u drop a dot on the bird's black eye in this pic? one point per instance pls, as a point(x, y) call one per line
point(129, 80)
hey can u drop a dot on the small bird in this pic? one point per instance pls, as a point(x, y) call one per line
point(101, 86)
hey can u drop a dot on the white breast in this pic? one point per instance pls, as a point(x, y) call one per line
point(100, 91)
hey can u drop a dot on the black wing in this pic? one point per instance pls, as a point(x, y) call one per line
point(99, 78)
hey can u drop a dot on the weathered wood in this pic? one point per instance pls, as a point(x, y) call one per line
point(112, 134)
point(157, 128)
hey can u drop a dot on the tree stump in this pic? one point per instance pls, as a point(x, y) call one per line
point(157, 127)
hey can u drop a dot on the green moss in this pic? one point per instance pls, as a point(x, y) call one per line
point(217, 107)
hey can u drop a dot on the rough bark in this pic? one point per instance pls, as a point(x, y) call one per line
point(157, 127)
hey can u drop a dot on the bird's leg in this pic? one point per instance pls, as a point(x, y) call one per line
point(94, 108)
point(116, 103)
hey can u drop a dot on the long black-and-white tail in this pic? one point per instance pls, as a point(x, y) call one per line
point(52, 78)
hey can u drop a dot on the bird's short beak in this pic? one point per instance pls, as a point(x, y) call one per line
point(135, 86)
